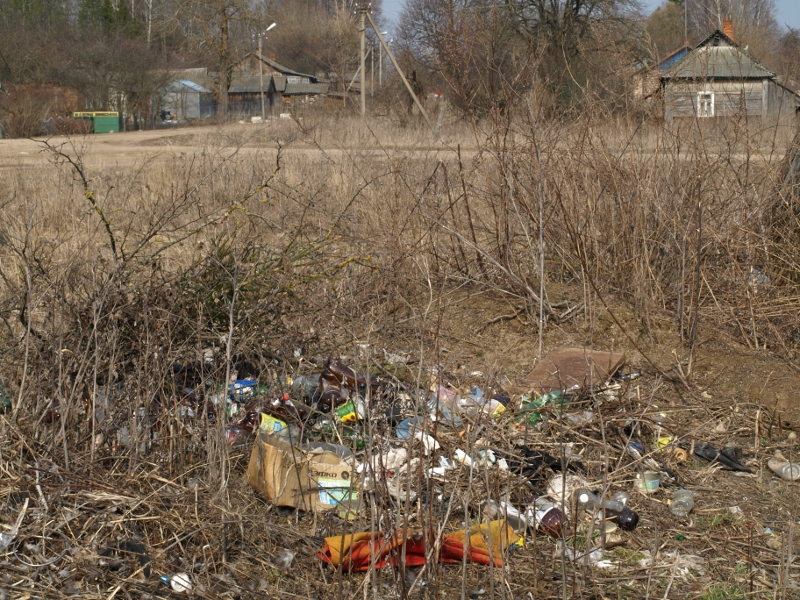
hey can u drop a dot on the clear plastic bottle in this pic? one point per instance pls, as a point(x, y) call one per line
point(615, 509)
point(682, 502)
point(504, 510)
point(589, 501)
point(783, 468)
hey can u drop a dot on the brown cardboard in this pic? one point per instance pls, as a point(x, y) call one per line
point(564, 368)
point(288, 476)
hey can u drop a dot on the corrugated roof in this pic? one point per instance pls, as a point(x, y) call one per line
point(718, 57)
point(199, 76)
point(277, 66)
point(248, 84)
point(672, 58)
point(192, 86)
point(306, 88)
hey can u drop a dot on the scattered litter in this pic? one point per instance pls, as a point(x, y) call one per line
point(180, 583)
point(682, 503)
point(551, 463)
point(7, 538)
point(567, 368)
point(284, 559)
point(784, 469)
point(482, 544)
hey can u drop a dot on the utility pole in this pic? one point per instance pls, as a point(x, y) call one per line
point(380, 61)
point(372, 71)
point(363, 10)
point(261, 76)
point(261, 69)
point(399, 70)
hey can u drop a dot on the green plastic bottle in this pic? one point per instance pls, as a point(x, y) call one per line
point(531, 408)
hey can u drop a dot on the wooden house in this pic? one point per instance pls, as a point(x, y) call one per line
point(647, 82)
point(280, 84)
point(717, 79)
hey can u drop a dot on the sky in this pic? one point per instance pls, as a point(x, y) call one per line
point(788, 11)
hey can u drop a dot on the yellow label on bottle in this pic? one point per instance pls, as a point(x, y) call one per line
point(270, 423)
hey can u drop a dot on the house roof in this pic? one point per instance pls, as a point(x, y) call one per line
point(198, 76)
point(248, 84)
point(672, 58)
point(306, 88)
point(718, 57)
point(185, 83)
point(279, 67)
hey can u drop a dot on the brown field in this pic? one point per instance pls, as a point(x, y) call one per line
point(122, 255)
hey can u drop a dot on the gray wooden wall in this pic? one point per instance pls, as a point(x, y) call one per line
point(755, 98)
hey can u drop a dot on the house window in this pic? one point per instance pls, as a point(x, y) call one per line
point(705, 104)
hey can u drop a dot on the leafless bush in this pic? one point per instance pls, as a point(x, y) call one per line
point(131, 295)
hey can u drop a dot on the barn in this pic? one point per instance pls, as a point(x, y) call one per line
point(184, 99)
point(717, 79)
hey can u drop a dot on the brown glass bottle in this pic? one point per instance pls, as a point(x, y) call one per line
point(546, 518)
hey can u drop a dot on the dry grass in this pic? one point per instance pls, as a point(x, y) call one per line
point(666, 242)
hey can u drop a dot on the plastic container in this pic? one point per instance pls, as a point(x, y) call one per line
point(783, 468)
point(648, 482)
point(682, 502)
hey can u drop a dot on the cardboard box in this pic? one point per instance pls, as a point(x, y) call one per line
point(564, 368)
point(288, 476)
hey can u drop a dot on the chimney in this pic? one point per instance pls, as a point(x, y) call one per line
point(727, 28)
point(272, 56)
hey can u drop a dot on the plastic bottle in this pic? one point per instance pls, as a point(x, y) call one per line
point(291, 433)
point(621, 496)
point(615, 509)
point(351, 411)
point(303, 386)
point(578, 419)
point(682, 502)
point(548, 519)
point(336, 371)
point(504, 510)
point(531, 406)
point(236, 436)
point(783, 468)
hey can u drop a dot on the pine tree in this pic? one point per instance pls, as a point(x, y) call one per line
point(125, 23)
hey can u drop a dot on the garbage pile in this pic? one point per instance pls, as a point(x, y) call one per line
point(581, 459)
point(570, 458)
